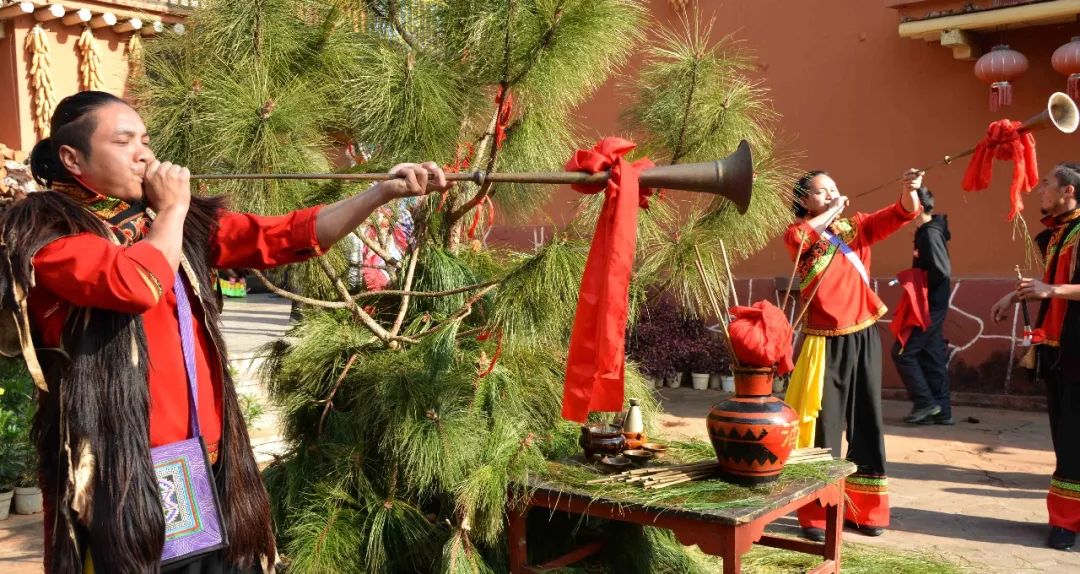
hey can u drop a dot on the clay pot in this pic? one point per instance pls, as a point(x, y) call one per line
point(602, 439)
point(752, 432)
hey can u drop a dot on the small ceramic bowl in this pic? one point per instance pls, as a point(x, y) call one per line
point(617, 462)
point(655, 448)
point(638, 456)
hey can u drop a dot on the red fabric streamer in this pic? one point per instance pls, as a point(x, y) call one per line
point(476, 215)
point(761, 337)
point(498, 351)
point(505, 100)
point(913, 310)
point(596, 360)
point(463, 157)
point(1004, 142)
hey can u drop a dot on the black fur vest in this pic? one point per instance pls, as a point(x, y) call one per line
point(92, 426)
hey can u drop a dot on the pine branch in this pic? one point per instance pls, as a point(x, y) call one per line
point(357, 312)
point(394, 18)
point(460, 314)
point(677, 153)
point(494, 282)
point(545, 42)
point(475, 200)
point(329, 400)
point(298, 298)
point(396, 328)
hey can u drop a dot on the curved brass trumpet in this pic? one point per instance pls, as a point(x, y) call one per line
point(1061, 112)
point(731, 177)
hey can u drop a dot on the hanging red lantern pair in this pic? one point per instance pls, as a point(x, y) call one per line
point(1066, 61)
point(1000, 66)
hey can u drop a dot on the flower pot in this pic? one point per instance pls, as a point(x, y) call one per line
point(27, 500)
point(700, 381)
point(727, 384)
point(752, 432)
point(5, 503)
point(716, 381)
point(675, 381)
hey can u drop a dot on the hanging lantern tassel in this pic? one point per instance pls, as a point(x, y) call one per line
point(1001, 94)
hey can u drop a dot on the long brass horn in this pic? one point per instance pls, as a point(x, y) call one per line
point(731, 177)
point(1061, 112)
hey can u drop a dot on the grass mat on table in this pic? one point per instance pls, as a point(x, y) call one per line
point(711, 494)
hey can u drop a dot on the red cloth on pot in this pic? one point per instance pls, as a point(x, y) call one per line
point(761, 337)
point(596, 359)
point(1004, 142)
point(913, 310)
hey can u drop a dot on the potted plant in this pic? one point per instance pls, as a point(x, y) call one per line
point(657, 342)
point(10, 463)
point(18, 458)
point(27, 499)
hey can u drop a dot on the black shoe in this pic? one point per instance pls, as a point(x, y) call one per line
point(813, 534)
point(939, 419)
point(1059, 539)
point(865, 530)
point(919, 415)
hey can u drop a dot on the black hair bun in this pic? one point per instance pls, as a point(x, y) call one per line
point(44, 162)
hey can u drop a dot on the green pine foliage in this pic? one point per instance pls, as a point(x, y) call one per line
point(405, 439)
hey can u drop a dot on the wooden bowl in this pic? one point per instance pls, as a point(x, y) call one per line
point(638, 455)
point(655, 448)
point(616, 462)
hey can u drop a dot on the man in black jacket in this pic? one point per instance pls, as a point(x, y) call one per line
point(923, 361)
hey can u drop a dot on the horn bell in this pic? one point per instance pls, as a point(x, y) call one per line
point(1060, 112)
point(731, 177)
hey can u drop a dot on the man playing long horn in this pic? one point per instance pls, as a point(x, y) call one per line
point(836, 384)
point(99, 275)
point(1058, 353)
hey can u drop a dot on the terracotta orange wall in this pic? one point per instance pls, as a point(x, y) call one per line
point(865, 104)
point(17, 131)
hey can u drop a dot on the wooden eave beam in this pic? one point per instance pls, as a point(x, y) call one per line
point(50, 12)
point(77, 17)
point(1026, 15)
point(18, 9)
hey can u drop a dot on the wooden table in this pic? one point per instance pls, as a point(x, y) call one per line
point(728, 533)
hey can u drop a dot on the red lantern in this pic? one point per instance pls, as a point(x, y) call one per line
point(1000, 66)
point(1066, 61)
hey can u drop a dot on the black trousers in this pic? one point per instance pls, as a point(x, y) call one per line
point(1063, 406)
point(851, 400)
point(923, 367)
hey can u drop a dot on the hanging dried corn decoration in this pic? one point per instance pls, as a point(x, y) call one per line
point(89, 62)
point(42, 97)
point(135, 56)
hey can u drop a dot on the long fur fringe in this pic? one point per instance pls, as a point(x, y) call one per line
point(95, 417)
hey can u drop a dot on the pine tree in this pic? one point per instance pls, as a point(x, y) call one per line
point(410, 410)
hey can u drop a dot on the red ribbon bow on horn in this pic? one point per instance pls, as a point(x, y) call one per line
point(596, 360)
point(1004, 142)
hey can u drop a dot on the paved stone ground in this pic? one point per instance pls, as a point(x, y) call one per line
point(974, 493)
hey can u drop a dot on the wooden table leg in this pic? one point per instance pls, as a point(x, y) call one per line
point(734, 549)
point(834, 526)
point(515, 530)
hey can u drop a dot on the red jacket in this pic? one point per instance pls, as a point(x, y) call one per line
point(844, 303)
point(86, 270)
